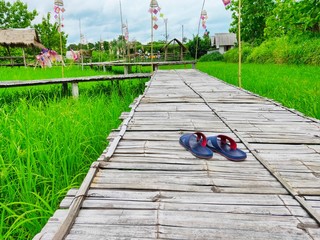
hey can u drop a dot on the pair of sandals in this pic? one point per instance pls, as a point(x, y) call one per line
point(203, 147)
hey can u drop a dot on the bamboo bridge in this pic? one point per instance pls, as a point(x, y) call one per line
point(146, 186)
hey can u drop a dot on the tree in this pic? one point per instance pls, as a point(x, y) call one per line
point(254, 14)
point(15, 15)
point(203, 46)
point(291, 17)
point(49, 34)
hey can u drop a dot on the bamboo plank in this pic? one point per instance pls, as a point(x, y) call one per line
point(152, 188)
point(226, 232)
point(190, 197)
point(117, 217)
point(112, 232)
point(75, 207)
point(171, 107)
point(52, 225)
point(231, 209)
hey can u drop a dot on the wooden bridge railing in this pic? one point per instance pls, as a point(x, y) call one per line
point(128, 65)
point(74, 81)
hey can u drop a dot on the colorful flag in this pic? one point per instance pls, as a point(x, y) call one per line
point(226, 2)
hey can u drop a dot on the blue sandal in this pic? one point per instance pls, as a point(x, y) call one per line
point(196, 143)
point(227, 147)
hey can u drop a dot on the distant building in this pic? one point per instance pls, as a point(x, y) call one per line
point(223, 41)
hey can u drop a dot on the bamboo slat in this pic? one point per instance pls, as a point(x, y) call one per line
point(150, 187)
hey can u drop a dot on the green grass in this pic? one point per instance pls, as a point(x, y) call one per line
point(296, 87)
point(22, 73)
point(48, 142)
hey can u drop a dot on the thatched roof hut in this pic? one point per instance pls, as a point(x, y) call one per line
point(20, 38)
point(182, 49)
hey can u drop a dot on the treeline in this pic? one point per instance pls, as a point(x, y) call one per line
point(276, 31)
point(266, 19)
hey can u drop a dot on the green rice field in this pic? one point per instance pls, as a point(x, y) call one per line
point(293, 86)
point(48, 141)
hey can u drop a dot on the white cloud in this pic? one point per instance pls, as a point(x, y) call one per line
point(101, 19)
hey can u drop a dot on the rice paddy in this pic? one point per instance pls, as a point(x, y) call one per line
point(294, 86)
point(48, 141)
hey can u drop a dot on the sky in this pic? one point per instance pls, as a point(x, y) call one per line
point(101, 20)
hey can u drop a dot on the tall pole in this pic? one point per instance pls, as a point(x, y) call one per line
point(151, 40)
point(197, 42)
point(127, 41)
point(182, 34)
point(122, 36)
point(58, 8)
point(153, 10)
point(166, 29)
point(60, 31)
point(80, 46)
point(239, 42)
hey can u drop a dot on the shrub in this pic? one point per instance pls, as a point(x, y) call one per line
point(285, 50)
point(263, 53)
point(232, 56)
point(214, 56)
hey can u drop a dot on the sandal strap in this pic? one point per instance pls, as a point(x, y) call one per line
point(201, 136)
point(224, 139)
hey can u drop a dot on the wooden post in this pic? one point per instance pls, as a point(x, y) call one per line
point(64, 89)
point(126, 69)
point(155, 67)
point(24, 58)
point(166, 53)
point(75, 90)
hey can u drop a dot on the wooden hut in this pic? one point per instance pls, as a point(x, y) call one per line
point(173, 55)
point(224, 41)
point(19, 38)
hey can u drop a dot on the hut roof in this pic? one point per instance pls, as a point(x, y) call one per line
point(224, 39)
point(176, 40)
point(20, 38)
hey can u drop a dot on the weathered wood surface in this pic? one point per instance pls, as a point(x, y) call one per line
point(151, 188)
point(128, 65)
point(7, 84)
point(119, 63)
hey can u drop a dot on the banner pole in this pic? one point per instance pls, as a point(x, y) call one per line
point(197, 40)
point(239, 42)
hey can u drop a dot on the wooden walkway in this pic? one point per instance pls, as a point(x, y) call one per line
point(74, 81)
point(146, 186)
point(127, 66)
